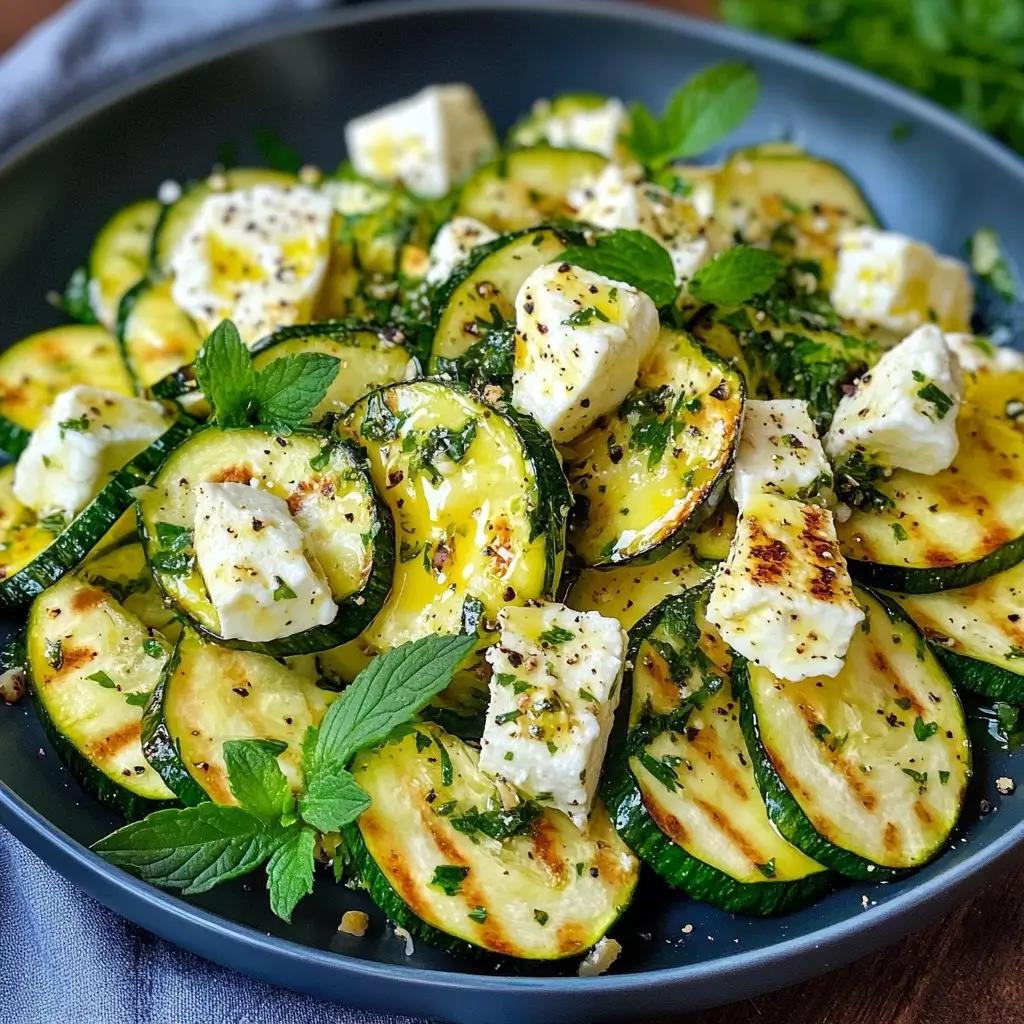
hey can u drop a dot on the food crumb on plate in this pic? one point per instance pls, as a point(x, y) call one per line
point(600, 958)
point(1005, 785)
point(354, 922)
point(401, 933)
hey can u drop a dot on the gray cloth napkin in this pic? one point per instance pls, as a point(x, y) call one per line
point(63, 958)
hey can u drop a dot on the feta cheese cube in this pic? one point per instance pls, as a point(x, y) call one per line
point(780, 454)
point(262, 581)
point(86, 435)
point(574, 124)
point(555, 685)
point(783, 598)
point(428, 141)
point(903, 413)
point(256, 256)
point(453, 244)
point(889, 280)
point(981, 355)
point(580, 341)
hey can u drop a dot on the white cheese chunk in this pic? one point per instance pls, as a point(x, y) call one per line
point(780, 454)
point(355, 198)
point(256, 256)
point(889, 280)
point(556, 683)
point(981, 355)
point(428, 141)
point(262, 581)
point(903, 413)
point(453, 244)
point(783, 598)
point(580, 342)
point(571, 125)
point(86, 435)
point(615, 200)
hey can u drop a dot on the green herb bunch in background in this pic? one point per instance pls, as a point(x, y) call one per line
point(967, 55)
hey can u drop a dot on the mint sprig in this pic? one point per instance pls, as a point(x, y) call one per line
point(713, 103)
point(281, 396)
point(195, 848)
point(632, 257)
point(736, 275)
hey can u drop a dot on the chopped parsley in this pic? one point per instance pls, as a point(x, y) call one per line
point(422, 741)
point(555, 636)
point(79, 425)
point(104, 680)
point(449, 878)
point(921, 778)
point(924, 730)
point(139, 699)
point(438, 443)
point(507, 716)
point(447, 772)
point(934, 394)
point(899, 533)
point(943, 777)
point(663, 769)
point(904, 703)
point(584, 317)
point(541, 917)
point(282, 592)
point(585, 694)
point(498, 823)
point(478, 914)
point(153, 648)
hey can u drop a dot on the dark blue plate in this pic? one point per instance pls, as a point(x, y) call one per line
point(307, 80)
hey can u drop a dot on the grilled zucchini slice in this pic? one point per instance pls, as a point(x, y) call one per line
point(977, 633)
point(450, 883)
point(38, 368)
point(866, 772)
point(642, 476)
point(957, 527)
point(207, 694)
point(679, 785)
point(93, 665)
point(527, 186)
point(156, 336)
point(327, 487)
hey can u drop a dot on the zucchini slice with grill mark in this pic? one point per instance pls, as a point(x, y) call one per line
point(547, 892)
point(120, 257)
point(156, 336)
point(479, 503)
point(642, 476)
point(866, 772)
point(37, 553)
point(679, 785)
point(208, 694)
point(630, 591)
point(527, 186)
point(93, 665)
point(787, 359)
point(957, 527)
point(346, 526)
point(36, 369)
point(977, 633)
point(478, 302)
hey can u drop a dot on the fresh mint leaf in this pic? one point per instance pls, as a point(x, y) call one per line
point(103, 679)
point(290, 872)
point(736, 275)
point(225, 375)
point(394, 687)
point(192, 848)
point(290, 388)
point(629, 256)
point(256, 779)
point(332, 799)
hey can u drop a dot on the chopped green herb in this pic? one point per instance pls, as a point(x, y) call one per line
point(104, 680)
point(498, 823)
point(924, 730)
point(903, 703)
point(449, 878)
point(139, 699)
point(768, 870)
point(541, 917)
point(478, 914)
point(422, 741)
point(943, 778)
point(554, 636)
point(585, 694)
point(584, 317)
point(282, 592)
point(508, 716)
point(153, 648)
point(921, 778)
point(447, 772)
point(942, 402)
point(552, 747)
point(579, 868)
point(1015, 651)
point(80, 425)
point(172, 537)
point(443, 810)
point(819, 731)
point(899, 533)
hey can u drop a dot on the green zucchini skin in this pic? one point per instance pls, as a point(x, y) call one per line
point(13, 439)
point(71, 546)
point(634, 823)
point(981, 677)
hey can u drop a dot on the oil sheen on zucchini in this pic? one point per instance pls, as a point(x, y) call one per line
point(641, 476)
point(347, 528)
point(156, 336)
point(35, 370)
point(527, 186)
point(977, 632)
point(957, 527)
point(680, 786)
point(37, 553)
point(427, 852)
point(866, 772)
point(479, 504)
point(94, 664)
point(208, 694)
point(478, 300)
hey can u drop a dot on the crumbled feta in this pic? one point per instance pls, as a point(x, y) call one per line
point(889, 280)
point(453, 244)
point(783, 597)
point(903, 413)
point(428, 141)
point(86, 435)
point(555, 684)
point(600, 958)
point(592, 127)
point(580, 342)
point(256, 256)
point(780, 454)
point(616, 200)
point(1005, 785)
point(262, 581)
point(981, 355)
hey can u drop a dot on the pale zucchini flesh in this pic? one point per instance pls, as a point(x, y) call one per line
point(157, 336)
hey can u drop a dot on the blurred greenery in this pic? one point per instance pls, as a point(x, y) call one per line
point(965, 54)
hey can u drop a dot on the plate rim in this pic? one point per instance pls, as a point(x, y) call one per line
point(875, 927)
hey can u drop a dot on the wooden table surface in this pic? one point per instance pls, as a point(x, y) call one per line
point(968, 968)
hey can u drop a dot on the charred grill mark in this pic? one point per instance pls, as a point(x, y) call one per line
point(891, 837)
point(240, 474)
point(546, 847)
point(88, 598)
point(104, 750)
point(734, 835)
